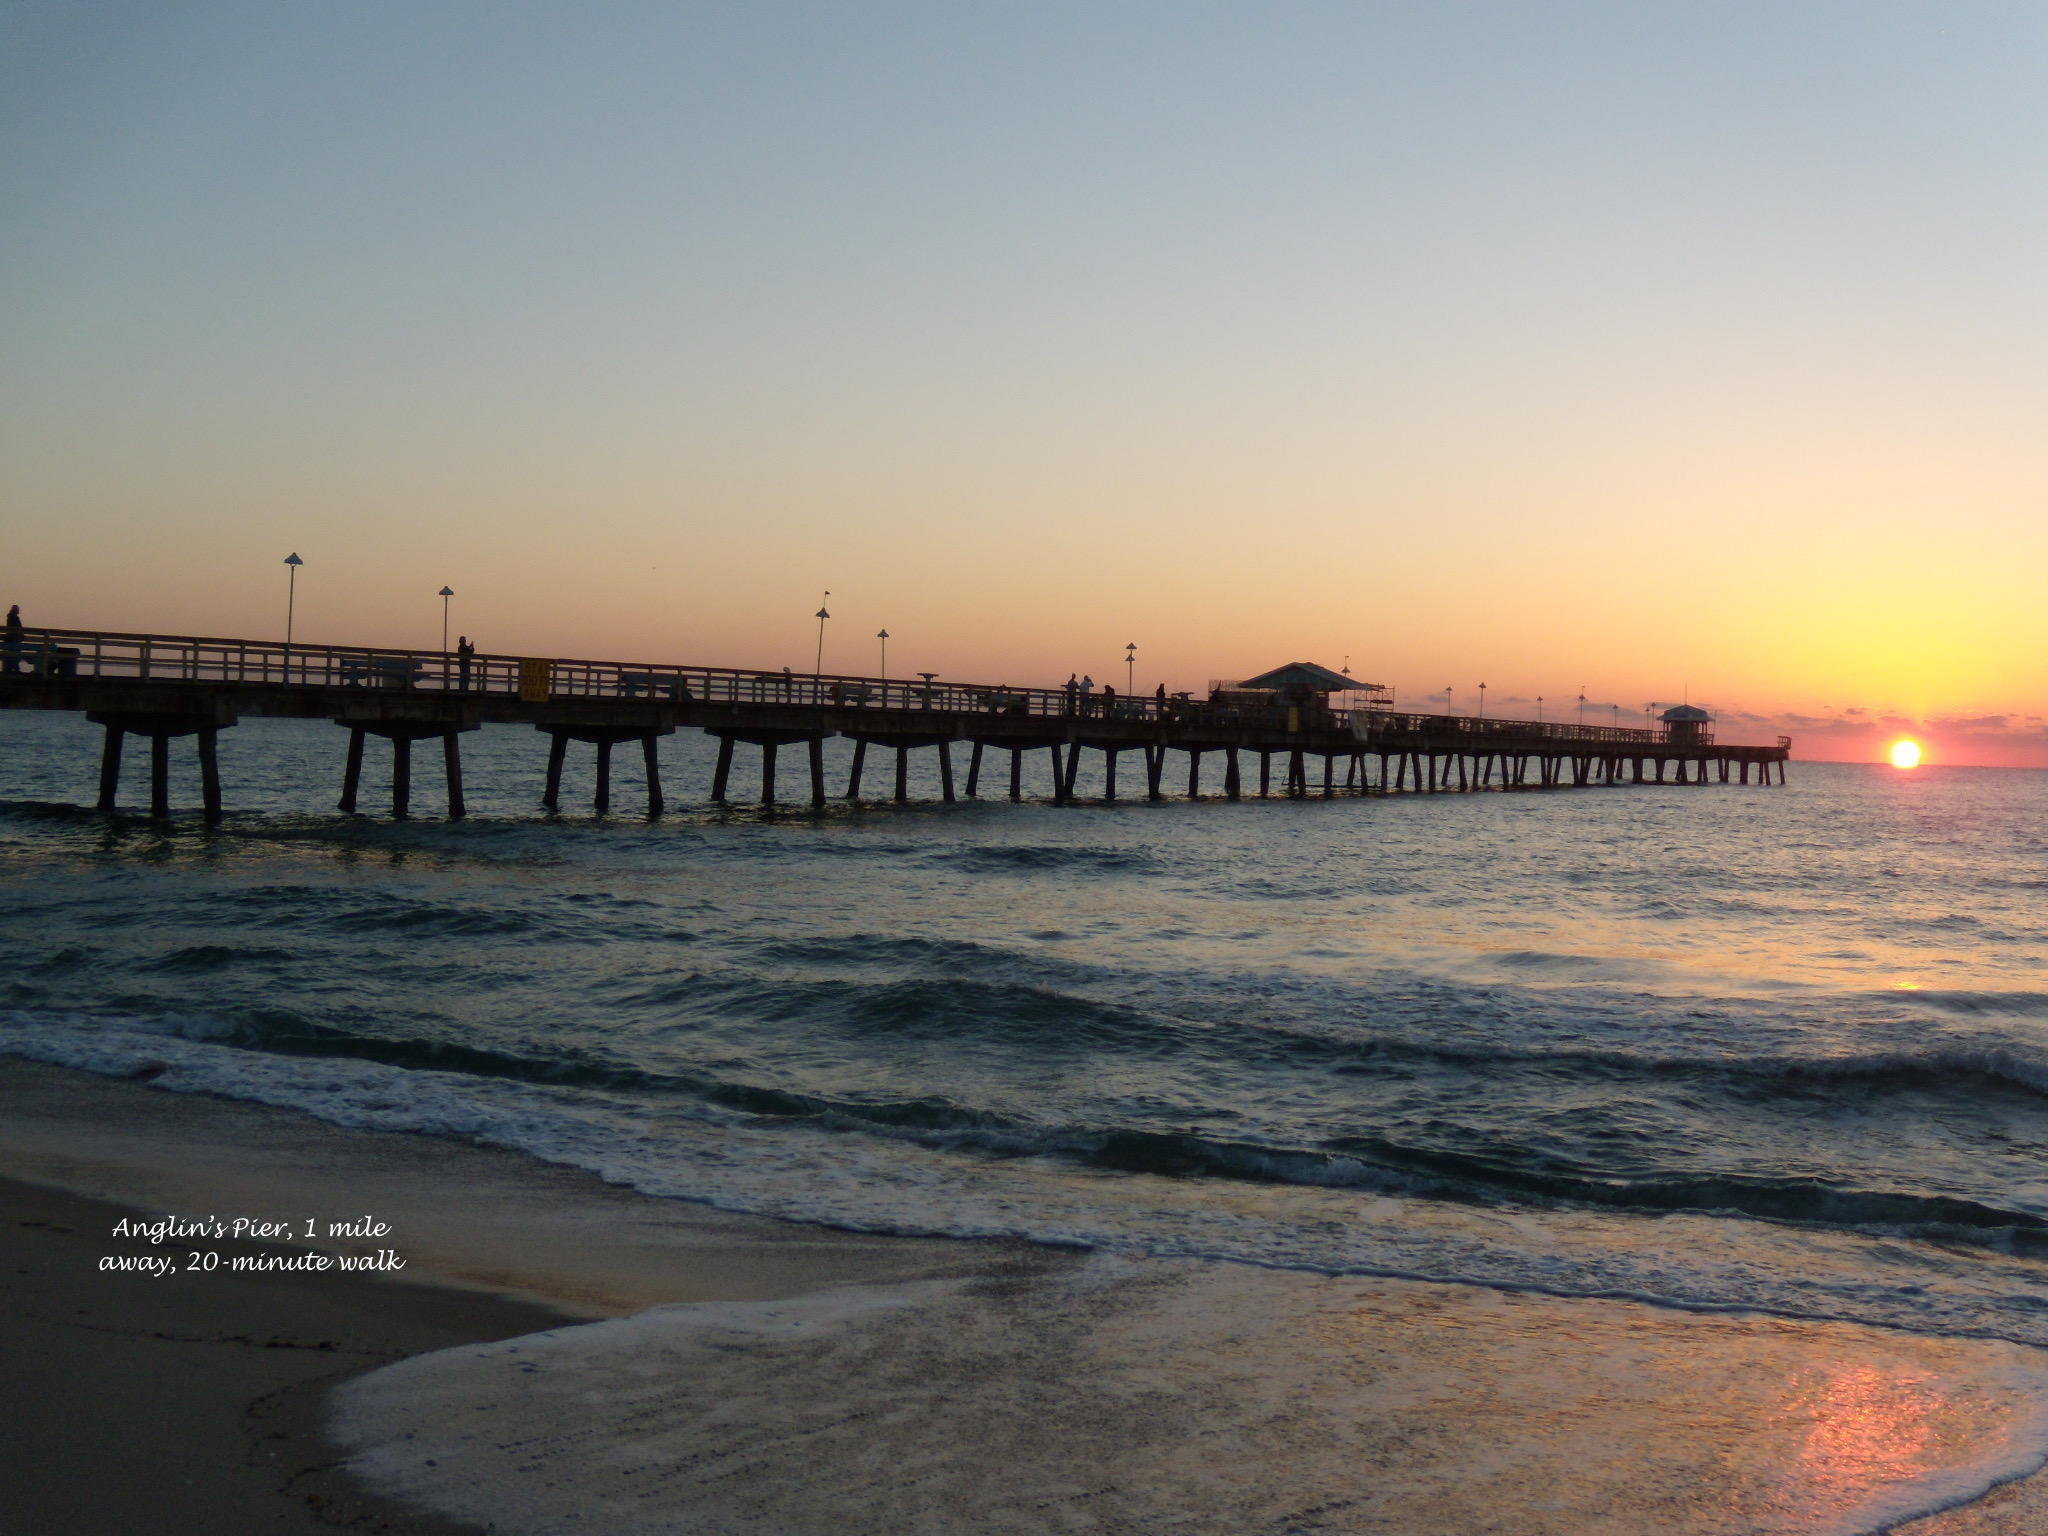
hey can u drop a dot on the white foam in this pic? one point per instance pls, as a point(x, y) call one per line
point(694, 1151)
point(1147, 1396)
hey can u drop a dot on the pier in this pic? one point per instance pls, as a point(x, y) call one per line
point(1277, 734)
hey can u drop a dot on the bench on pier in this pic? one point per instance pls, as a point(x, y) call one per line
point(656, 685)
point(379, 672)
point(1000, 703)
point(849, 693)
point(40, 660)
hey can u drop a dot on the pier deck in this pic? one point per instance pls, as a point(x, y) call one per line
point(165, 686)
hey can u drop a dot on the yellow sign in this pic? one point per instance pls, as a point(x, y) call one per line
point(536, 679)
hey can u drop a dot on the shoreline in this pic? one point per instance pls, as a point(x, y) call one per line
point(1048, 1347)
point(497, 1246)
point(135, 1404)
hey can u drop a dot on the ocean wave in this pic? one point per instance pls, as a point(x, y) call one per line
point(999, 858)
point(1532, 959)
point(341, 908)
point(2019, 1004)
point(877, 951)
point(1371, 1163)
point(202, 959)
point(1159, 1204)
point(54, 812)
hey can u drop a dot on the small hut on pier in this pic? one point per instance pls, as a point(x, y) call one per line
point(1299, 685)
point(1685, 725)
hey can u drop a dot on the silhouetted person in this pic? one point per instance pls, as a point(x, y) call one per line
point(1087, 694)
point(1108, 701)
point(464, 651)
point(1072, 690)
point(16, 638)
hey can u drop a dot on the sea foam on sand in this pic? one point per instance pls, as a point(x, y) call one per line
point(1186, 1397)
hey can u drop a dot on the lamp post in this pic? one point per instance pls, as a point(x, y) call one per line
point(822, 617)
point(883, 636)
point(1482, 701)
point(1582, 705)
point(1448, 709)
point(1539, 709)
point(1130, 669)
point(291, 592)
point(446, 593)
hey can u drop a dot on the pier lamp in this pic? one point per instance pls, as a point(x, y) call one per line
point(822, 617)
point(883, 636)
point(1539, 709)
point(446, 593)
point(1449, 708)
point(1130, 669)
point(1582, 704)
point(1482, 701)
point(291, 592)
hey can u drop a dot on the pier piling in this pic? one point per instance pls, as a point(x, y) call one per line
point(401, 734)
point(401, 777)
point(722, 774)
point(161, 728)
point(110, 766)
point(603, 738)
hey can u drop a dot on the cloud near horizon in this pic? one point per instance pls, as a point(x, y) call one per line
point(1862, 733)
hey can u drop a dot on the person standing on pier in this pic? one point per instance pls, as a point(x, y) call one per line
point(1072, 691)
point(464, 651)
point(15, 638)
point(1087, 694)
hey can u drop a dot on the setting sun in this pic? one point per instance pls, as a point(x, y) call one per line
point(1905, 754)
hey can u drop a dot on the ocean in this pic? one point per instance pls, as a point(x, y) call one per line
point(1779, 1051)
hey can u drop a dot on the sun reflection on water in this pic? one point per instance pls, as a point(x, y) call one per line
point(1859, 1430)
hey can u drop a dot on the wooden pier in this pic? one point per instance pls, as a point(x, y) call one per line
point(165, 687)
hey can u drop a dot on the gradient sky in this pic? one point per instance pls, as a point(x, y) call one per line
point(1660, 350)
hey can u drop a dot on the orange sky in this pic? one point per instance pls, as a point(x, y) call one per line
point(1653, 354)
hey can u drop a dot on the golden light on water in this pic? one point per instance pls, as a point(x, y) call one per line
point(1905, 754)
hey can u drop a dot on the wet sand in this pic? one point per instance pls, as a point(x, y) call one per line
point(194, 1402)
point(156, 1405)
point(793, 1379)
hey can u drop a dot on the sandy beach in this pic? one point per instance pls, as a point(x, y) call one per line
point(196, 1401)
point(745, 1374)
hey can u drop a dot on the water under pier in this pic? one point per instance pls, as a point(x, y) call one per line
point(165, 687)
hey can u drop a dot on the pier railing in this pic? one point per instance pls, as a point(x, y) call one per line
point(203, 659)
point(1479, 731)
point(206, 660)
